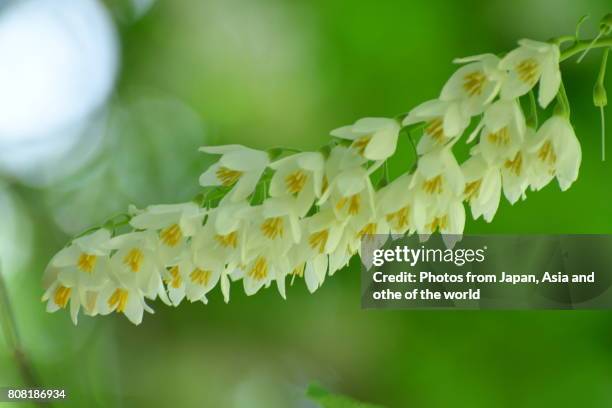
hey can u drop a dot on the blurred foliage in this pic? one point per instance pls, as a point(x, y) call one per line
point(267, 73)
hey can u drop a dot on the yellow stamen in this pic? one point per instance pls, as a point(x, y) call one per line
point(433, 185)
point(367, 232)
point(259, 270)
point(171, 235)
point(515, 165)
point(501, 137)
point(472, 189)
point(118, 300)
point(354, 204)
point(438, 223)
point(134, 259)
point(295, 181)
point(527, 71)
point(61, 296)
point(228, 177)
point(435, 129)
point(272, 227)
point(87, 262)
point(176, 280)
point(400, 218)
point(229, 240)
point(200, 276)
point(546, 153)
point(361, 144)
point(318, 240)
point(473, 83)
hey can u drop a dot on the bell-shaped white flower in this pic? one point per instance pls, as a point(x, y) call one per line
point(437, 181)
point(503, 131)
point(193, 276)
point(137, 264)
point(299, 176)
point(516, 172)
point(482, 187)
point(395, 203)
point(225, 231)
point(239, 167)
point(444, 120)
point(475, 84)
point(373, 138)
point(555, 152)
point(76, 272)
point(531, 62)
point(174, 223)
point(121, 298)
point(262, 269)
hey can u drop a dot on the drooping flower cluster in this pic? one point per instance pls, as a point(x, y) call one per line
point(268, 217)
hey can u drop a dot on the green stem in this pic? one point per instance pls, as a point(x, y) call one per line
point(582, 45)
point(13, 340)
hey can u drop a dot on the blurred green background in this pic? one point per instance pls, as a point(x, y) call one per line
point(273, 72)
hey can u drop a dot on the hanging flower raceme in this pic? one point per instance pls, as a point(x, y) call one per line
point(271, 217)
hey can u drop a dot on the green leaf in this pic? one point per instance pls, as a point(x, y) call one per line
point(326, 399)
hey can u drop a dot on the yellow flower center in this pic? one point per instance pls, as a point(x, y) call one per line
point(515, 165)
point(200, 276)
point(367, 232)
point(61, 296)
point(473, 83)
point(295, 181)
point(438, 223)
point(527, 71)
point(361, 143)
point(472, 189)
point(118, 300)
point(546, 153)
point(272, 227)
point(435, 129)
point(134, 259)
point(176, 280)
point(228, 177)
point(259, 270)
point(400, 218)
point(354, 204)
point(318, 240)
point(500, 138)
point(171, 235)
point(87, 262)
point(433, 185)
point(229, 240)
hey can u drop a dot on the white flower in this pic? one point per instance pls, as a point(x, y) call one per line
point(350, 191)
point(300, 176)
point(262, 269)
point(373, 138)
point(445, 120)
point(555, 152)
point(175, 223)
point(121, 298)
point(137, 264)
point(224, 231)
point(239, 167)
point(193, 278)
point(516, 172)
point(530, 62)
point(394, 202)
point(475, 84)
point(76, 272)
point(437, 181)
point(482, 187)
point(503, 131)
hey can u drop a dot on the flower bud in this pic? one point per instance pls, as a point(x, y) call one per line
point(600, 98)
